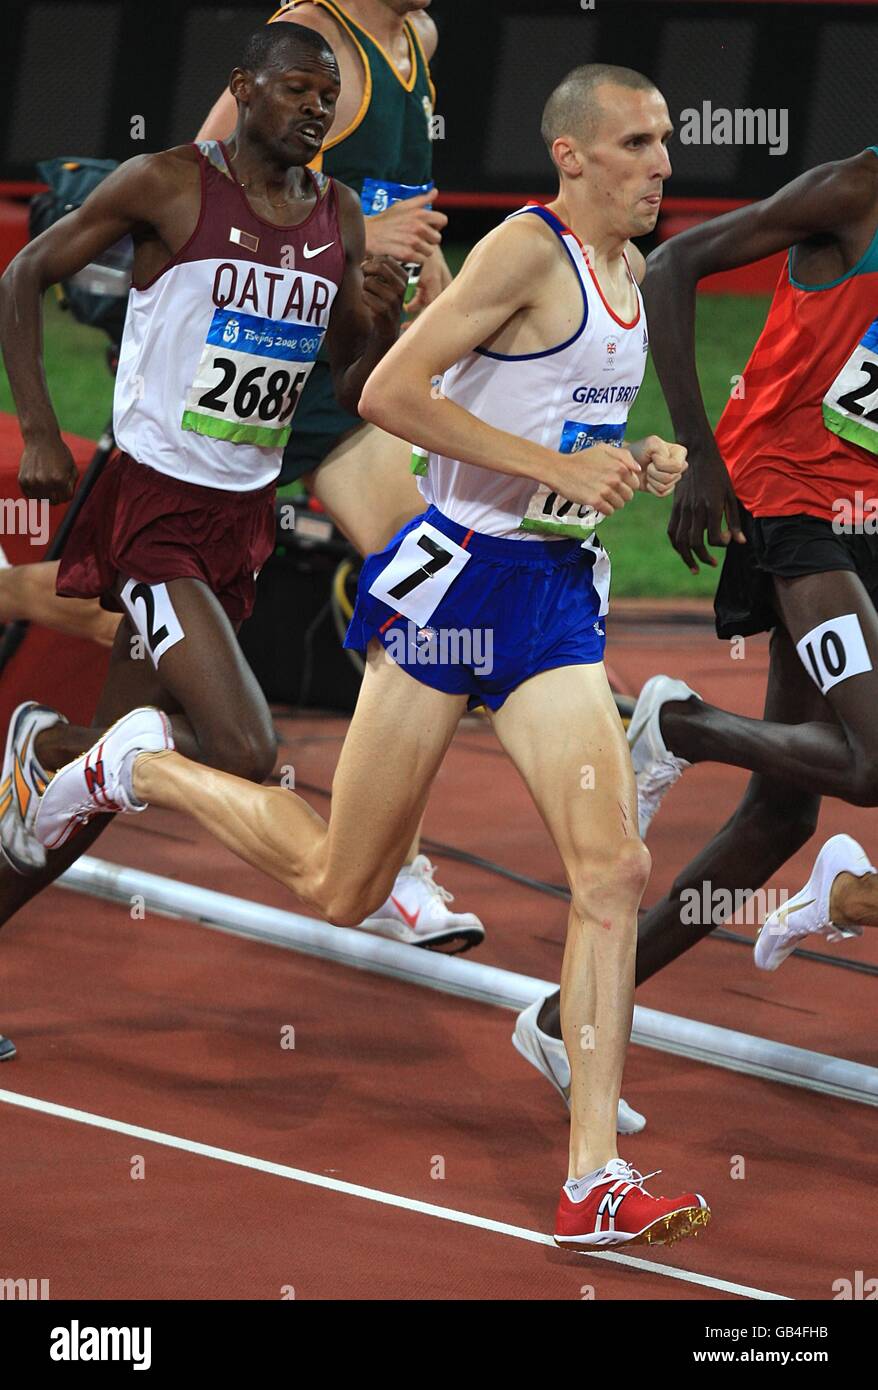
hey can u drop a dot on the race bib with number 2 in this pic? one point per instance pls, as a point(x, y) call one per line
point(850, 406)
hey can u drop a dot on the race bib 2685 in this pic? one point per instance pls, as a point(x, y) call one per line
point(249, 378)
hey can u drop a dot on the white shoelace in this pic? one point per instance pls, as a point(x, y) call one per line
point(632, 1178)
point(422, 869)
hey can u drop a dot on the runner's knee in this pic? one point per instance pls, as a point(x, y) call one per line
point(611, 879)
point(347, 904)
point(248, 752)
point(863, 787)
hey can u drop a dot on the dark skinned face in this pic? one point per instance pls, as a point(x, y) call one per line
point(288, 110)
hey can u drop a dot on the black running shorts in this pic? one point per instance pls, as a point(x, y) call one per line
point(787, 546)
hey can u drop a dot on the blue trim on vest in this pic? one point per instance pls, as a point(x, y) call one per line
point(866, 265)
point(558, 228)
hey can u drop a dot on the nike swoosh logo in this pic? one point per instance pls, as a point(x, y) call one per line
point(309, 254)
point(787, 908)
point(410, 918)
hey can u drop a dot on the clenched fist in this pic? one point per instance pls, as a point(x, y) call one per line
point(384, 286)
point(601, 476)
point(47, 471)
point(663, 464)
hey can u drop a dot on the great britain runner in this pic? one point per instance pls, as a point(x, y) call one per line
point(539, 345)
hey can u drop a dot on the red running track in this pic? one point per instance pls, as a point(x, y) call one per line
point(171, 1028)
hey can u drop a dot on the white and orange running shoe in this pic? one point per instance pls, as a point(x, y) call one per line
point(98, 782)
point(417, 912)
point(807, 913)
point(614, 1208)
point(24, 779)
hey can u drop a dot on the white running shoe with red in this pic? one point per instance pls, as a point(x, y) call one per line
point(614, 1208)
point(807, 913)
point(417, 912)
point(98, 782)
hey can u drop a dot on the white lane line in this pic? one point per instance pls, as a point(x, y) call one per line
point(369, 1194)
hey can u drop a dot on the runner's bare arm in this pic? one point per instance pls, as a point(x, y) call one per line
point(221, 119)
point(500, 277)
point(364, 322)
point(825, 200)
point(425, 26)
point(123, 204)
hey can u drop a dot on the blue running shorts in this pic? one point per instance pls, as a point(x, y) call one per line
point(478, 615)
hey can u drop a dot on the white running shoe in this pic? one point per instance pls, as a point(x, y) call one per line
point(549, 1056)
point(98, 782)
point(656, 769)
point(24, 780)
point(416, 912)
point(807, 913)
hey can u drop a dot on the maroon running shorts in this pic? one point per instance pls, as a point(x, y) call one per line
point(139, 524)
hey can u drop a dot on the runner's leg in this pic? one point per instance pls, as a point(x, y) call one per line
point(27, 595)
point(396, 740)
point(772, 822)
point(593, 823)
point(226, 719)
point(227, 722)
point(367, 486)
point(829, 759)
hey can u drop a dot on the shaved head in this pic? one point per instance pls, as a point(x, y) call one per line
point(574, 107)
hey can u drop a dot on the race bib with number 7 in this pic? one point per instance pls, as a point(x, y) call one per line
point(249, 378)
point(850, 406)
point(420, 573)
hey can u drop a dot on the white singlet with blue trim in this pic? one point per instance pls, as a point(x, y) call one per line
point(566, 398)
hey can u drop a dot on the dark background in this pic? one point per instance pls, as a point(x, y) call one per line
point(74, 72)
